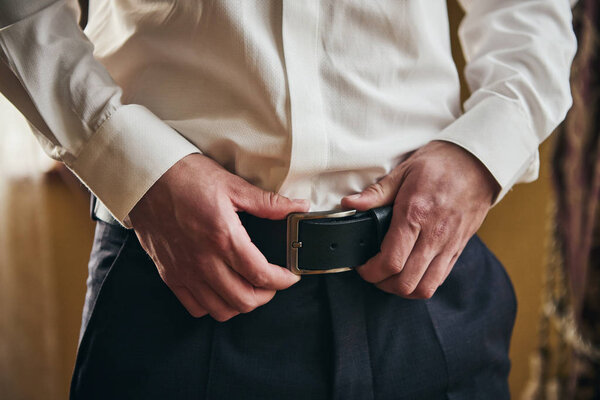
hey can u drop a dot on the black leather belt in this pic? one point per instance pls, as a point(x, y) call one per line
point(314, 242)
point(320, 242)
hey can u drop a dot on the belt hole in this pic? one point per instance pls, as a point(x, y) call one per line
point(362, 242)
point(333, 246)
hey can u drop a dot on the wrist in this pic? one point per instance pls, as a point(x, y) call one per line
point(481, 176)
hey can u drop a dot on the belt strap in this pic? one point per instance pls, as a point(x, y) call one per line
point(327, 243)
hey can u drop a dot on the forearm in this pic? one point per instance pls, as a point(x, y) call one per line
point(117, 150)
point(518, 55)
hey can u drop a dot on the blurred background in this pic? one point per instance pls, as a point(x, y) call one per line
point(545, 233)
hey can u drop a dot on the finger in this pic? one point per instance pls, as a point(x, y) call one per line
point(378, 194)
point(397, 245)
point(237, 292)
point(460, 244)
point(250, 263)
point(263, 204)
point(450, 267)
point(263, 296)
point(433, 277)
point(405, 283)
point(189, 302)
point(211, 301)
point(247, 299)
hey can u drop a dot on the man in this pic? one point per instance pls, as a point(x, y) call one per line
point(197, 123)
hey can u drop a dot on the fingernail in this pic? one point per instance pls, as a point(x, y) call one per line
point(353, 196)
point(300, 201)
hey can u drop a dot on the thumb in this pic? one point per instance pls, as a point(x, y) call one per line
point(376, 195)
point(263, 204)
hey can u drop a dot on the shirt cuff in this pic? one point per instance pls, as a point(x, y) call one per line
point(498, 132)
point(126, 155)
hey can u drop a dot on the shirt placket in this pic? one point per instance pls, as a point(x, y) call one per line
point(309, 145)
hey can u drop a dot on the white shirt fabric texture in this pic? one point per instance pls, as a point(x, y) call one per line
point(311, 99)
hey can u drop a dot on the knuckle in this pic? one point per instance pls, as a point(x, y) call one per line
point(419, 210)
point(424, 292)
point(197, 313)
point(246, 308)
point(221, 238)
point(440, 229)
point(420, 260)
point(377, 189)
point(395, 263)
point(395, 267)
point(404, 288)
point(258, 278)
point(220, 317)
point(367, 274)
point(271, 199)
point(394, 178)
point(247, 304)
point(224, 316)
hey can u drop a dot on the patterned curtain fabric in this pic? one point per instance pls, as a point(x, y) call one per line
point(568, 363)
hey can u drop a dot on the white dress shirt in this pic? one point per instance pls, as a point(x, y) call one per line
point(312, 99)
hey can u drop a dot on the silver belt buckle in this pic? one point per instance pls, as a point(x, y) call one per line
point(294, 244)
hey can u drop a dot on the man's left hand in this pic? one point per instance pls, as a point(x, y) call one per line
point(441, 195)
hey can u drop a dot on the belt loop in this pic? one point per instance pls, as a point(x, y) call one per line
point(93, 207)
point(99, 212)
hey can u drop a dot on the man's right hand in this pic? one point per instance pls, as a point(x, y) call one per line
point(187, 223)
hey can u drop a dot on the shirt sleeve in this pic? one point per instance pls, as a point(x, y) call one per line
point(117, 150)
point(518, 55)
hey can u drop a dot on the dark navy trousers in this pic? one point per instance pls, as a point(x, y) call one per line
point(327, 337)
